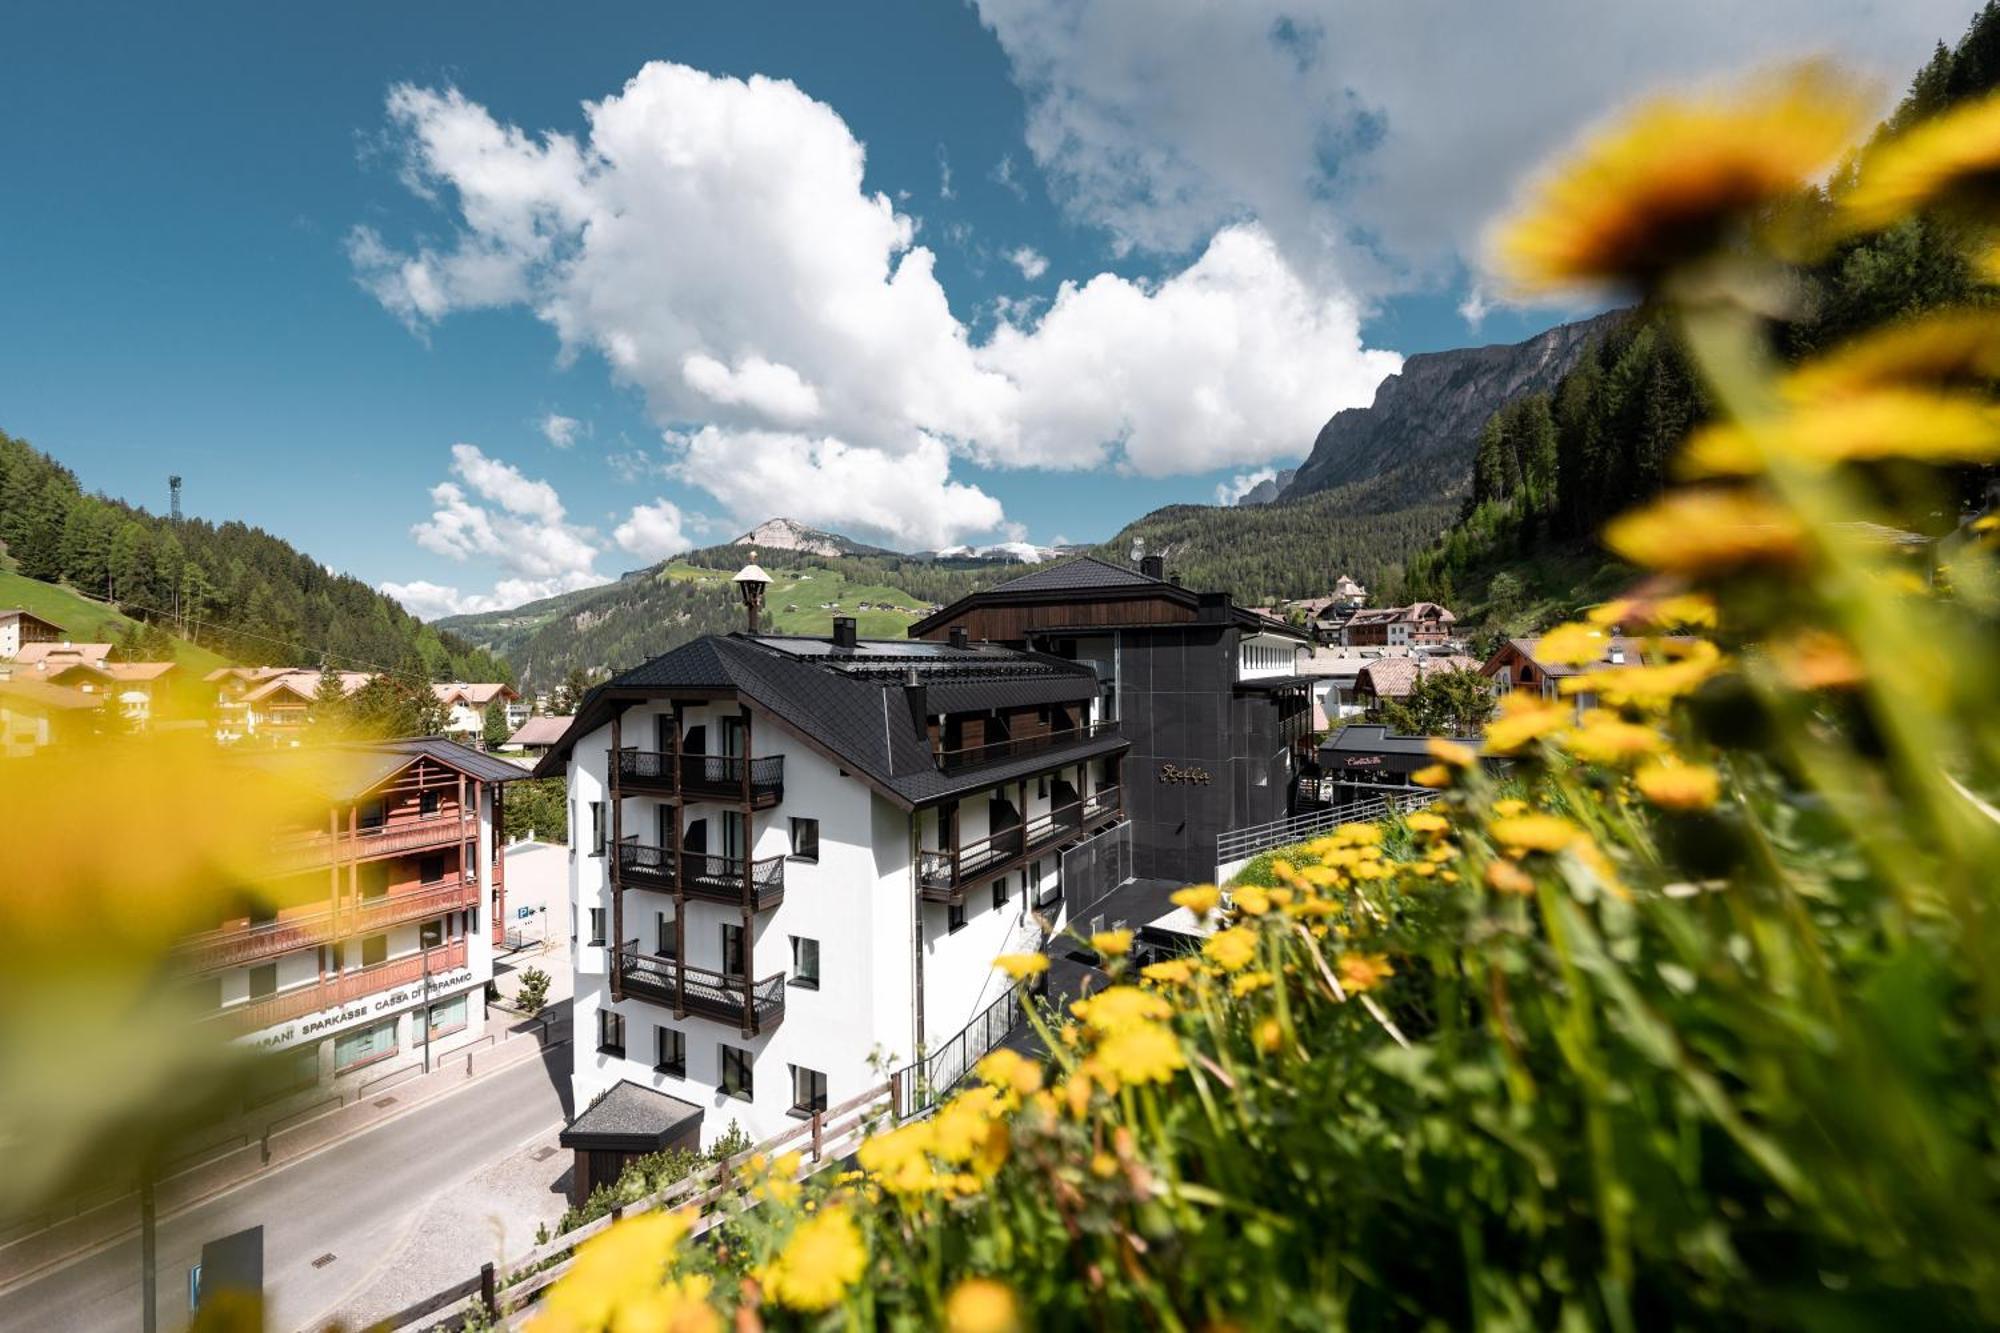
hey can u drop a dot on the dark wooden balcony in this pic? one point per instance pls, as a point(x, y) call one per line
point(343, 989)
point(995, 752)
point(760, 781)
point(306, 851)
point(251, 943)
point(944, 875)
point(751, 1007)
point(758, 885)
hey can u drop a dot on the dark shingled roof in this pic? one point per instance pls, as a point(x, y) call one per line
point(630, 1118)
point(348, 770)
point(1075, 580)
point(853, 704)
point(1086, 571)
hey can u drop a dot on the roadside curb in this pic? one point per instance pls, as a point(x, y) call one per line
point(107, 1224)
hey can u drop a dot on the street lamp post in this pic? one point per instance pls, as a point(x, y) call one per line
point(750, 583)
point(424, 1009)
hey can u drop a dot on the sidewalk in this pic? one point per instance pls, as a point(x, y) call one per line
point(26, 1257)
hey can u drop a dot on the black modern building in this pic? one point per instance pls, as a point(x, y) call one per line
point(1206, 692)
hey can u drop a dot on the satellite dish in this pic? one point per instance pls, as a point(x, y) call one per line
point(1138, 549)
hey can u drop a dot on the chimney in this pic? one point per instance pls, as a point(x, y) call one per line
point(1153, 566)
point(843, 632)
point(959, 638)
point(917, 699)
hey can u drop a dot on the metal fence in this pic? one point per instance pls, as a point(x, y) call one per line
point(1237, 844)
point(925, 1083)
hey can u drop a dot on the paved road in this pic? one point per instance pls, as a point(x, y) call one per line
point(358, 1201)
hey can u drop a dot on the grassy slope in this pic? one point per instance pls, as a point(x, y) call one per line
point(793, 600)
point(87, 620)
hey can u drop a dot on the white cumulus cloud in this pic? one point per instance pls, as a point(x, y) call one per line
point(653, 531)
point(1030, 261)
point(559, 430)
point(1240, 485)
point(713, 240)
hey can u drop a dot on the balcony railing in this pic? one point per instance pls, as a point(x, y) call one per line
point(715, 879)
point(244, 944)
point(994, 752)
point(1102, 804)
point(719, 776)
point(318, 849)
point(344, 989)
point(943, 875)
point(751, 1006)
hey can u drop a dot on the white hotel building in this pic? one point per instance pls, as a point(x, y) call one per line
point(372, 941)
point(801, 865)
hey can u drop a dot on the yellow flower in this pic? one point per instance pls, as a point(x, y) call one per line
point(1103, 1165)
point(614, 1271)
point(1250, 900)
point(1020, 966)
point(1121, 1007)
point(1200, 899)
point(1535, 833)
point(1172, 972)
point(1605, 738)
point(823, 1258)
point(1662, 186)
point(1363, 971)
point(1423, 821)
point(1679, 786)
point(1523, 718)
point(1111, 943)
point(1231, 949)
point(1432, 775)
point(981, 1305)
point(1949, 159)
point(1705, 532)
point(1573, 644)
point(1655, 686)
point(1509, 806)
point(1817, 659)
point(1944, 348)
point(1451, 752)
point(899, 1158)
point(1864, 425)
point(1672, 611)
point(1361, 835)
point(1506, 877)
point(1011, 1072)
point(1140, 1053)
point(1246, 983)
point(1269, 1036)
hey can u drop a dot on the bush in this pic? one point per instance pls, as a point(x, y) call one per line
point(534, 991)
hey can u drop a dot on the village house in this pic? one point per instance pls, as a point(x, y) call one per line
point(34, 715)
point(270, 703)
point(369, 947)
point(795, 857)
point(1396, 677)
point(1209, 694)
point(468, 706)
point(18, 627)
point(1418, 625)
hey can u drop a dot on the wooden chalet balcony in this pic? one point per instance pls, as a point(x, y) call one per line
point(752, 1007)
point(337, 991)
point(944, 875)
point(760, 781)
point(995, 752)
point(268, 939)
point(758, 885)
point(317, 849)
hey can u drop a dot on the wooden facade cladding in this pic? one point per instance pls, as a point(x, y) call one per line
point(1000, 623)
point(333, 992)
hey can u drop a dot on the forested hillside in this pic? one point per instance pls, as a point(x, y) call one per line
point(234, 589)
point(1551, 467)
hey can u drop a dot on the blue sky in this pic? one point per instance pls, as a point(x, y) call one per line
point(232, 250)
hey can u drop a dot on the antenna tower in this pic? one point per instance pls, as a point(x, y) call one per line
point(174, 496)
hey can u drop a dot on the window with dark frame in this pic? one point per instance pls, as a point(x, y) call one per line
point(263, 980)
point(808, 1090)
point(954, 917)
point(428, 803)
point(610, 1032)
point(597, 925)
point(667, 938)
point(805, 839)
point(736, 1073)
point(597, 828)
point(670, 1052)
point(430, 869)
point(374, 949)
point(999, 891)
point(805, 963)
point(430, 934)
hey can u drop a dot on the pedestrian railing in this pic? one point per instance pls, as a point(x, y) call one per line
point(1237, 844)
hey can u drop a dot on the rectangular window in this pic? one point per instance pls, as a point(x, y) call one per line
point(374, 949)
point(371, 814)
point(428, 802)
point(262, 913)
point(1000, 891)
point(805, 839)
point(365, 1045)
point(670, 1052)
point(430, 934)
point(732, 951)
point(430, 869)
point(610, 1032)
point(954, 917)
point(597, 828)
point(736, 1074)
point(805, 962)
point(1048, 892)
point(597, 925)
point(808, 1090)
point(263, 980)
point(667, 940)
point(448, 1015)
point(374, 879)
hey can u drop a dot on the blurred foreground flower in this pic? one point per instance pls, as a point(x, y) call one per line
point(1951, 161)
